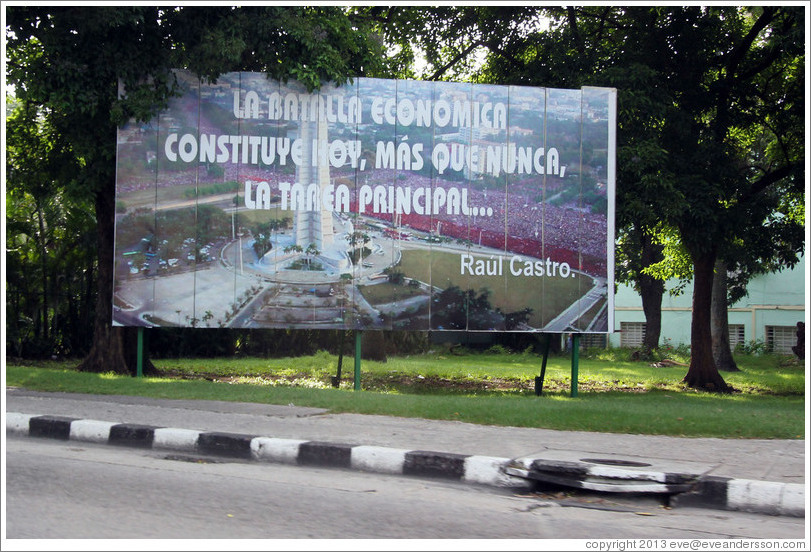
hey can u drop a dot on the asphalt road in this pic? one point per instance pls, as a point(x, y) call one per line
point(61, 490)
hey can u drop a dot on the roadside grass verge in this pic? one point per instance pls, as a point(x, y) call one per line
point(615, 396)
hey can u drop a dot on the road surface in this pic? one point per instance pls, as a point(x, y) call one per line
point(61, 490)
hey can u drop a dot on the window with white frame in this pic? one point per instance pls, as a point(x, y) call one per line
point(632, 334)
point(780, 339)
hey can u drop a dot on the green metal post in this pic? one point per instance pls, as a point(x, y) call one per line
point(539, 379)
point(140, 358)
point(575, 361)
point(357, 360)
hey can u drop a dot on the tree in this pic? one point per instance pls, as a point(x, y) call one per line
point(639, 249)
point(731, 136)
point(719, 321)
point(311, 251)
point(395, 276)
point(457, 309)
point(262, 238)
point(73, 61)
point(568, 60)
point(752, 252)
point(710, 110)
point(358, 240)
point(46, 247)
point(747, 94)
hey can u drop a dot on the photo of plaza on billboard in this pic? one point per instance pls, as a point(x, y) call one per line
point(378, 204)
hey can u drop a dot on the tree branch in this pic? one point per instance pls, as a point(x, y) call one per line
point(603, 20)
point(764, 64)
point(501, 52)
point(734, 60)
point(767, 180)
point(442, 70)
point(739, 52)
point(572, 17)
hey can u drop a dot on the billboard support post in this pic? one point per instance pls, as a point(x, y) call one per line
point(547, 339)
point(140, 358)
point(357, 360)
point(575, 361)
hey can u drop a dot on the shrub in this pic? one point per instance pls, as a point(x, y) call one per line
point(498, 350)
point(754, 347)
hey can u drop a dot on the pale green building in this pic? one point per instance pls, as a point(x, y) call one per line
point(769, 314)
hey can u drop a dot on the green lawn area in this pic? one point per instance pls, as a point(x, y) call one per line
point(250, 217)
point(387, 292)
point(615, 394)
point(146, 197)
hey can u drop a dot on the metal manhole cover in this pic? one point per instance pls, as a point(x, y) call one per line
point(614, 462)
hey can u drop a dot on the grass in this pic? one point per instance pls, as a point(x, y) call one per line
point(387, 292)
point(615, 394)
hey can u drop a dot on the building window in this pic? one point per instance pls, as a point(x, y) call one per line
point(780, 339)
point(593, 340)
point(736, 335)
point(632, 334)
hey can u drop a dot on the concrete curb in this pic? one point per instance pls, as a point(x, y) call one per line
point(745, 495)
point(481, 470)
point(707, 491)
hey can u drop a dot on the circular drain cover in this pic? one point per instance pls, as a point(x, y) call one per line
point(613, 462)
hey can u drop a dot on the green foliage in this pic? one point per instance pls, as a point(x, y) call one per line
point(355, 255)
point(754, 347)
point(204, 224)
point(263, 233)
point(210, 189)
point(301, 264)
point(498, 350)
point(50, 241)
point(396, 277)
point(80, 71)
point(457, 309)
point(679, 352)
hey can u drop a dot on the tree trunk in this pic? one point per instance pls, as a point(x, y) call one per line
point(88, 299)
point(43, 257)
point(114, 348)
point(799, 348)
point(719, 321)
point(703, 374)
point(651, 290)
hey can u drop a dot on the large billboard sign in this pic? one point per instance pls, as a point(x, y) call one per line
point(380, 204)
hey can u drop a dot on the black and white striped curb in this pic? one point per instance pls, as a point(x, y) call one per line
point(765, 497)
point(484, 470)
point(745, 495)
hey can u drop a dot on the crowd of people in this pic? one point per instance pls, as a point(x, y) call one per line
point(519, 223)
point(521, 220)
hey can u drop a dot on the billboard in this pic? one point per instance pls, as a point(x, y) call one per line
point(380, 204)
